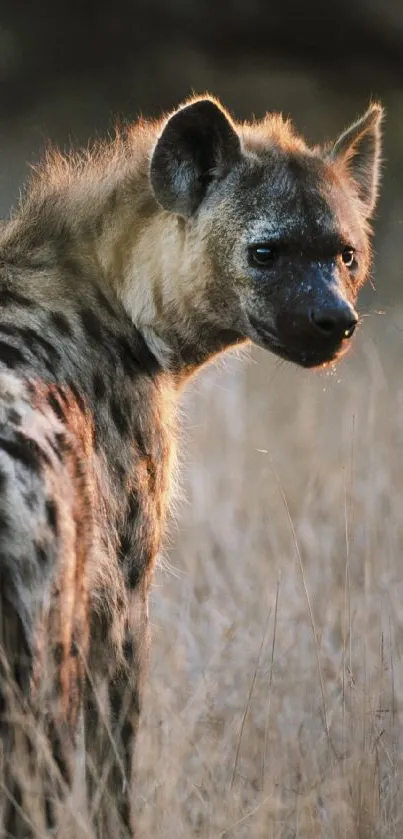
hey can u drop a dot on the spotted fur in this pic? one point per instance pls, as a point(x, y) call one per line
point(121, 273)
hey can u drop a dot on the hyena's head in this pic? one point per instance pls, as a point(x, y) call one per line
point(276, 237)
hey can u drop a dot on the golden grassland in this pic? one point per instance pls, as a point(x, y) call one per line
point(274, 703)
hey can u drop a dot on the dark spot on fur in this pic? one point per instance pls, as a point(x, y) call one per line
point(133, 575)
point(97, 434)
point(56, 407)
point(130, 363)
point(22, 662)
point(70, 265)
point(31, 387)
point(127, 731)
point(121, 472)
point(133, 507)
point(3, 481)
point(92, 326)
point(117, 700)
point(125, 546)
point(254, 177)
point(99, 225)
point(104, 303)
point(41, 554)
point(25, 450)
point(119, 417)
point(58, 685)
point(74, 649)
point(99, 386)
point(14, 417)
point(11, 356)
point(100, 627)
point(129, 653)
point(62, 442)
point(51, 514)
point(54, 445)
point(133, 353)
point(58, 654)
point(3, 522)
point(77, 395)
point(37, 342)
point(50, 816)
point(120, 603)
point(9, 329)
point(8, 296)
point(112, 201)
point(158, 299)
point(62, 395)
point(80, 468)
point(31, 499)
point(34, 342)
point(152, 473)
point(146, 358)
point(61, 323)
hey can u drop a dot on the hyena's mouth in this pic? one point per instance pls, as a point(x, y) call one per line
point(311, 360)
point(264, 336)
point(303, 353)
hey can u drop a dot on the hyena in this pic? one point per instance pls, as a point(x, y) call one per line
point(122, 272)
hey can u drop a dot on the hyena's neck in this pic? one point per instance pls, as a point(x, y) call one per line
point(152, 259)
point(104, 220)
point(161, 289)
point(145, 266)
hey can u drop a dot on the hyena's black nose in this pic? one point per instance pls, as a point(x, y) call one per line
point(335, 322)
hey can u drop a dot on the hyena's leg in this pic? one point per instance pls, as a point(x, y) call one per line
point(112, 710)
point(40, 749)
point(43, 613)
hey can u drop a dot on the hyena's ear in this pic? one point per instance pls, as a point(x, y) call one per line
point(359, 147)
point(198, 144)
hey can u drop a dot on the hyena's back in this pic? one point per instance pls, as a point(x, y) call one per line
point(80, 467)
point(45, 535)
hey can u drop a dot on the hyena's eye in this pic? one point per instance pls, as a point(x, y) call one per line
point(262, 255)
point(348, 256)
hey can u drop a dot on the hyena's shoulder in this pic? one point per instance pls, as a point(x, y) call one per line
point(46, 530)
point(91, 391)
point(83, 461)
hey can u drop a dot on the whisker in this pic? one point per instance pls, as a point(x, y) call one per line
point(371, 312)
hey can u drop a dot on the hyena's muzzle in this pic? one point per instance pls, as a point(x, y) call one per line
point(312, 315)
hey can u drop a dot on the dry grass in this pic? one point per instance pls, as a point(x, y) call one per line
point(274, 704)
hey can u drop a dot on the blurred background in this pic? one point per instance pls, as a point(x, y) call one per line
point(68, 73)
point(275, 699)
